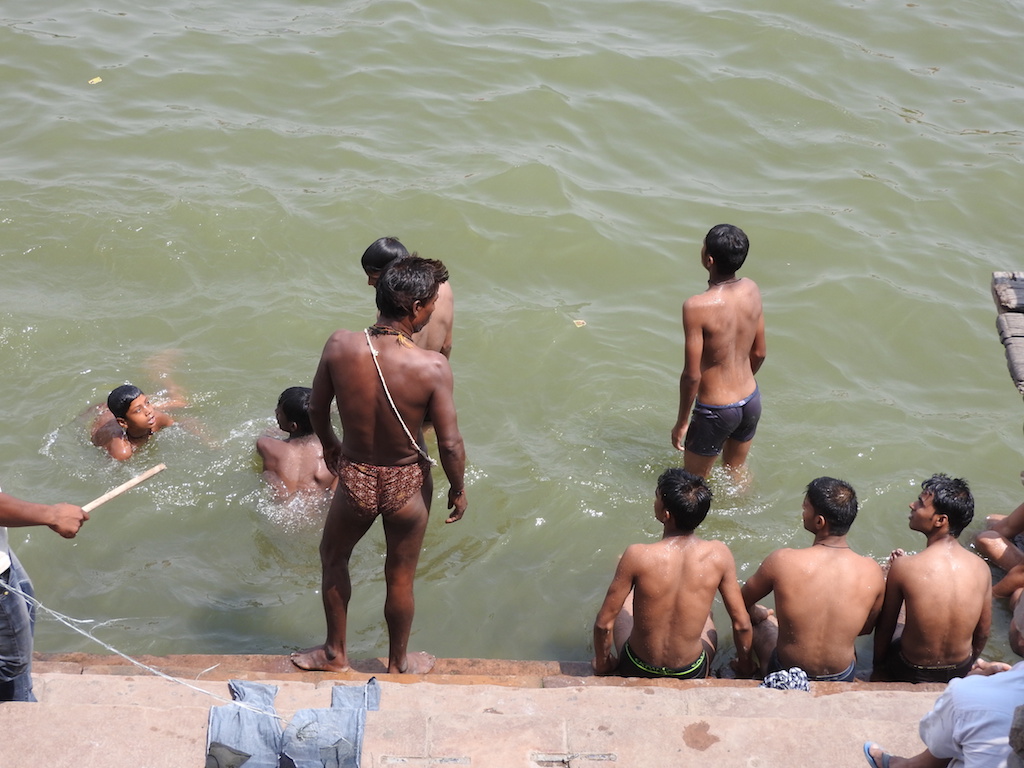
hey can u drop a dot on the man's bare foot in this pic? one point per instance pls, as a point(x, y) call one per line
point(416, 663)
point(317, 660)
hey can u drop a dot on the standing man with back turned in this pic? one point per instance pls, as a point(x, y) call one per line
point(723, 328)
point(385, 387)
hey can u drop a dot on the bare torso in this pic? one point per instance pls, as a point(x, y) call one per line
point(824, 599)
point(295, 465)
point(437, 334)
point(674, 586)
point(729, 322)
point(946, 591)
point(372, 433)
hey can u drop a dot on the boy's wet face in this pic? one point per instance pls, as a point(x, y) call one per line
point(372, 277)
point(922, 512)
point(140, 418)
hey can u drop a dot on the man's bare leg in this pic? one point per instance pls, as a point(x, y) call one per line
point(623, 626)
point(697, 464)
point(403, 533)
point(922, 760)
point(766, 635)
point(343, 529)
point(734, 459)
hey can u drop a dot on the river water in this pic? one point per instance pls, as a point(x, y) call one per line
point(212, 191)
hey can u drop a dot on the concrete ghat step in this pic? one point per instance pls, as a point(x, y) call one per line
point(92, 714)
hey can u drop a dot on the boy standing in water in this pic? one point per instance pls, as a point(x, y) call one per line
point(296, 463)
point(723, 329)
point(437, 335)
point(657, 611)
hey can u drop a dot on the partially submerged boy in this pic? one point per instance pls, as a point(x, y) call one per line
point(128, 420)
point(723, 330)
point(437, 334)
point(657, 611)
point(945, 589)
point(826, 595)
point(296, 463)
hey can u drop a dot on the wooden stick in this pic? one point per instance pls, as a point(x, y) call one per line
point(124, 487)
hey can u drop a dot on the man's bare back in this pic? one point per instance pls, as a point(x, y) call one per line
point(674, 584)
point(724, 336)
point(947, 593)
point(826, 596)
point(295, 465)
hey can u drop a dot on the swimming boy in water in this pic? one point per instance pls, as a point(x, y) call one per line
point(437, 335)
point(128, 420)
point(296, 463)
point(723, 329)
point(657, 611)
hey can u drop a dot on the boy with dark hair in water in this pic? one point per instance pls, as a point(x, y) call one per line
point(296, 463)
point(657, 611)
point(128, 420)
point(437, 336)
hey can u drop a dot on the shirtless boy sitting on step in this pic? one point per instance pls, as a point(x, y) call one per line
point(945, 589)
point(826, 595)
point(657, 611)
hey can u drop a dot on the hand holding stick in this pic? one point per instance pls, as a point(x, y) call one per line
point(124, 487)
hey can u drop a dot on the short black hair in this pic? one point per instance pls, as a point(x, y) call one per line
point(121, 398)
point(406, 281)
point(685, 496)
point(381, 253)
point(951, 496)
point(728, 246)
point(294, 404)
point(835, 500)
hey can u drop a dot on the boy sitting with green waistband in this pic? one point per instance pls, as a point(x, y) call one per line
point(658, 606)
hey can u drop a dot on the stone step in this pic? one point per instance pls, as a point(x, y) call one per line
point(466, 712)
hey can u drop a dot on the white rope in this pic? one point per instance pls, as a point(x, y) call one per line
point(394, 408)
point(71, 623)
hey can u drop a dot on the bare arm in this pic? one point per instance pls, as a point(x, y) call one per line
point(689, 379)
point(320, 410)
point(872, 619)
point(759, 349)
point(605, 662)
point(450, 446)
point(984, 626)
point(1010, 583)
point(887, 618)
point(742, 633)
point(65, 519)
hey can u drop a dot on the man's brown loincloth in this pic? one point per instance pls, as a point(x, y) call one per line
point(373, 490)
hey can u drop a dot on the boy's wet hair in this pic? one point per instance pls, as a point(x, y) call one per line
point(406, 281)
point(381, 253)
point(294, 404)
point(951, 496)
point(728, 246)
point(836, 501)
point(685, 496)
point(121, 398)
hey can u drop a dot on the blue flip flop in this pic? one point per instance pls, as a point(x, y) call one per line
point(886, 757)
